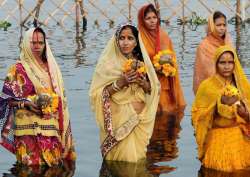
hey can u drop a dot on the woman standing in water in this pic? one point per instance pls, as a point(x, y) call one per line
point(34, 118)
point(124, 95)
point(216, 36)
point(157, 42)
point(220, 115)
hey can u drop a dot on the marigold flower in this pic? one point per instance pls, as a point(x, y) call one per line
point(131, 64)
point(164, 61)
point(230, 91)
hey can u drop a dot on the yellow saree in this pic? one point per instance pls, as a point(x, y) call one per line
point(224, 148)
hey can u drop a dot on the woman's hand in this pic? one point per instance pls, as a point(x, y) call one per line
point(228, 100)
point(127, 78)
point(33, 107)
point(144, 84)
point(242, 111)
point(26, 104)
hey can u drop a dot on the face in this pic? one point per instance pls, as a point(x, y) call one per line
point(220, 26)
point(151, 20)
point(37, 44)
point(127, 41)
point(225, 65)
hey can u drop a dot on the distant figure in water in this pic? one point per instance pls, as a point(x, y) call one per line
point(124, 95)
point(34, 117)
point(217, 36)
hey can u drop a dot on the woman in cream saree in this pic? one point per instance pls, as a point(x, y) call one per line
point(125, 116)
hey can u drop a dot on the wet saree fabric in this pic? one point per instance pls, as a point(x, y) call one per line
point(171, 96)
point(35, 139)
point(223, 148)
point(124, 134)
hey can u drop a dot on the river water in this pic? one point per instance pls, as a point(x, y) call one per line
point(174, 154)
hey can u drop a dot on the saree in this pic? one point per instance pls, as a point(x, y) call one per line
point(203, 66)
point(35, 139)
point(226, 148)
point(124, 134)
point(123, 169)
point(171, 97)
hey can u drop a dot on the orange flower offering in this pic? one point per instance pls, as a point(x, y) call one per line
point(137, 65)
point(47, 100)
point(164, 62)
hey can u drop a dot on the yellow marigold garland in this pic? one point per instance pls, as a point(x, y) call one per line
point(131, 64)
point(163, 61)
point(230, 91)
point(47, 100)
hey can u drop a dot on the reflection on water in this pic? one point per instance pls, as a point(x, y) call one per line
point(124, 169)
point(163, 145)
point(80, 45)
point(204, 172)
point(17, 170)
point(77, 52)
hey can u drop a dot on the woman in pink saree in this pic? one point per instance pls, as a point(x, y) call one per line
point(34, 117)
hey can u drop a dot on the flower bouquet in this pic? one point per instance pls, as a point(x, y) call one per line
point(47, 101)
point(136, 65)
point(164, 63)
point(231, 91)
point(244, 125)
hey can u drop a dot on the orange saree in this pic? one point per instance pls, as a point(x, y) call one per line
point(171, 97)
point(204, 63)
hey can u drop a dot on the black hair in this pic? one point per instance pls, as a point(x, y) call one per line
point(219, 14)
point(38, 29)
point(150, 8)
point(137, 50)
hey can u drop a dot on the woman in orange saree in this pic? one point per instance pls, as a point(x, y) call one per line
point(216, 36)
point(156, 39)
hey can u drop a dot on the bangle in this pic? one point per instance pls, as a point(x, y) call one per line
point(18, 104)
point(115, 86)
point(22, 104)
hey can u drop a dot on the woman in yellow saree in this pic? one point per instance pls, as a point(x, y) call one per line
point(217, 36)
point(220, 115)
point(124, 99)
point(34, 117)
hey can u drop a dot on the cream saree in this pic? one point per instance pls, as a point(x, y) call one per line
point(125, 134)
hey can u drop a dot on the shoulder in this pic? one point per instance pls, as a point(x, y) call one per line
point(207, 87)
point(16, 68)
point(203, 44)
point(164, 34)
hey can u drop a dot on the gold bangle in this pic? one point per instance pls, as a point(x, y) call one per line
point(18, 104)
point(22, 104)
point(115, 86)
